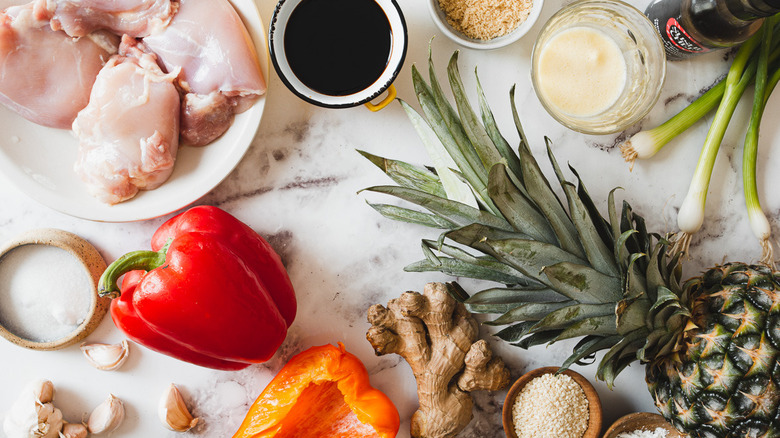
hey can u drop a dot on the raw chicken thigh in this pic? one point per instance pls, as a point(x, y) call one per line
point(46, 76)
point(137, 18)
point(220, 71)
point(128, 134)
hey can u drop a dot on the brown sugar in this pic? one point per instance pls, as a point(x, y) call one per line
point(485, 19)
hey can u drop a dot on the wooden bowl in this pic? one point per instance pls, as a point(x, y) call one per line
point(641, 421)
point(92, 262)
point(594, 403)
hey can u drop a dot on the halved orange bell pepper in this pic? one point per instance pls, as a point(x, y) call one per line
point(322, 392)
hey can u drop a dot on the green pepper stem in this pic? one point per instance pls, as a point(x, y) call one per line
point(132, 261)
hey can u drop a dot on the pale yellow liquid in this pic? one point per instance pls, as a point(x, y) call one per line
point(581, 71)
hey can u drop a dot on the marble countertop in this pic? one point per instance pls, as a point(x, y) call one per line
point(297, 186)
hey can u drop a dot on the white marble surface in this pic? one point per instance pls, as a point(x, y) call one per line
point(298, 186)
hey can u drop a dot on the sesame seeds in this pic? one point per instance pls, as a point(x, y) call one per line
point(551, 406)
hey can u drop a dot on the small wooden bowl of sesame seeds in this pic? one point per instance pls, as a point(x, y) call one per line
point(544, 402)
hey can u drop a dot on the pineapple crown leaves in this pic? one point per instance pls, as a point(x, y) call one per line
point(567, 271)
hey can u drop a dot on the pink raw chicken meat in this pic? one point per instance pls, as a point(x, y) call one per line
point(220, 71)
point(137, 18)
point(46, 76)
point(128, 134)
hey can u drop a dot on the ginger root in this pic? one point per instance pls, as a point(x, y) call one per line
point(438, 337)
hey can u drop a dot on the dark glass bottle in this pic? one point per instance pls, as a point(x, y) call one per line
point(692, 27)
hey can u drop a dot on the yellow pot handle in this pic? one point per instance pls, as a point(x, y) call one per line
point(391, 93)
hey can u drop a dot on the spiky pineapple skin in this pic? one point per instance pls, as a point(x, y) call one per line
point(724, 381)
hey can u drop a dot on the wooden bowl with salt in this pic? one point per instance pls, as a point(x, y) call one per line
point(81, 260)
point(594, 403)
point(641, 421)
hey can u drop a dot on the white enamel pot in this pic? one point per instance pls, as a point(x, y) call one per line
point(382, 85)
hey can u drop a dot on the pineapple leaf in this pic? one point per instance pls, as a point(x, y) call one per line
point(599, 325)
point(460, 214)
point(512, 160)
point(476, 176)
point(529, 257)
point(537, 339)
point(529, 312)
point(450, 122)
point(452, 185)
point(599, 255)
point(614, 220)
point(601, 224)
point(408, 175)
point(539, 189)
point(515, 332)
point(412, 216)
point(484, 261)
point(518, 125)
point(476, 133)
point(456, 291)
point(457, 268)
point(516, 208)
point(562, 318)
point(588, 347)
point(582, 283)
point(515, 296)
point(608, 368)
point(631, 314)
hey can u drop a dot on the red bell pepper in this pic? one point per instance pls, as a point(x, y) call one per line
point(211, 292)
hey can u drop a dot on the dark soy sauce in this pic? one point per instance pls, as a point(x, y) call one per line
point(337, 47)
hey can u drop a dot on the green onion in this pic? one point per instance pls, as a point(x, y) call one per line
point(691, 214)
point(758, 221)
point(645, 144)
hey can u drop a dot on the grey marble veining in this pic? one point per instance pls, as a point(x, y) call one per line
point(298, 185)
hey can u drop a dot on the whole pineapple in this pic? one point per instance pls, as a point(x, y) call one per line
point(710, 345)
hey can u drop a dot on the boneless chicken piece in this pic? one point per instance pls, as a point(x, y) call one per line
point(220, 71)
point(137, 18)
point(46, 76)
point(128, 134)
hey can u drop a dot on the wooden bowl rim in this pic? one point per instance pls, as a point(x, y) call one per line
point(641, 420)
point(594, 402)
point(87, 256)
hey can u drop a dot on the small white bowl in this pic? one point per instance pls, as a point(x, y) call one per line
point(440, 18)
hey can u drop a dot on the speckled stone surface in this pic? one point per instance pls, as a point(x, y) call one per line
point(298, 186)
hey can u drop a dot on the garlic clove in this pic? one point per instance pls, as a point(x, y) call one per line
point(43, 390)
point(173, 411)
point(106, 357)
point(107, 416)
point(74, 430)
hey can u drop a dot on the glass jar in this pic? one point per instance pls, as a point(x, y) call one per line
point(609, 34)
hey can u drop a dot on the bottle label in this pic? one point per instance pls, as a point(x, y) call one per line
point(677, 36)
point(678, 43)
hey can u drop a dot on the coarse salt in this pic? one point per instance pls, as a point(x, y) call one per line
point(641, 433)
point(44, 292)
point(551, 406)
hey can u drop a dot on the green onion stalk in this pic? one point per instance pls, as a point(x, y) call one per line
point(691, 214)
point(763, 88)
point(645, 144)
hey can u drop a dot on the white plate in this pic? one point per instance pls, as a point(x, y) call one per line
point(39, 160)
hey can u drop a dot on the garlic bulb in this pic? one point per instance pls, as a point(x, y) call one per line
point(33, 415)
point(106, 357)
point(173, 412)
point(107, 416)
point(74, 430)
